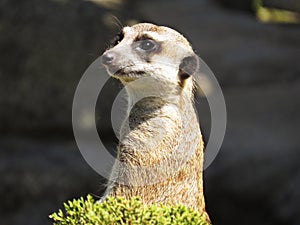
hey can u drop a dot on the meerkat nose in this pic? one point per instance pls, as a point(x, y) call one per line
point(108, 58)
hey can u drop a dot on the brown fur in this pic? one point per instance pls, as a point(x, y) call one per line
point(163, 132)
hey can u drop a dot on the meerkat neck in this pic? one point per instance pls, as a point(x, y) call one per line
point(150, 87)
point(155, 119)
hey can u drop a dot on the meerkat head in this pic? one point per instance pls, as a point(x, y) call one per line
point(148, 50)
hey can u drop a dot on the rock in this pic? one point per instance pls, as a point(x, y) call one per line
point(255, 176)
point(45, 50)
point(38, 176)
point(246, 5)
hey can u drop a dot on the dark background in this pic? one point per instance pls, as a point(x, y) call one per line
point(46, 45)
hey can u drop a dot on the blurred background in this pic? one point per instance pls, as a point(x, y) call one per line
point(252, 47)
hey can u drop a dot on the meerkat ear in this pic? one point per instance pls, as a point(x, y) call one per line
point(188, 66)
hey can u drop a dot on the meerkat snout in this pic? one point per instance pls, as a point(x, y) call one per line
point(108, 58)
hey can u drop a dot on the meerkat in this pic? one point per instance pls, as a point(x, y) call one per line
point(160, 154)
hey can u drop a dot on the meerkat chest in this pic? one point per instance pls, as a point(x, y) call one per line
point(151, 130)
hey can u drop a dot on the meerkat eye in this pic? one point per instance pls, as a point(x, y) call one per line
point(147, 45)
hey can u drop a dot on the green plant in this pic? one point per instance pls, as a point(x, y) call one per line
point(121, 211)
point(272, 15)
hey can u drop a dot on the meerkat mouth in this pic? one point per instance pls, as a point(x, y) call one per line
point(127, 74)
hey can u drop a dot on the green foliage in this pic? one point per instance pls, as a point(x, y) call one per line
point(271, 15)
point(120, 211)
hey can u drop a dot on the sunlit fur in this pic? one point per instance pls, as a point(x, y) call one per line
point(161, 124)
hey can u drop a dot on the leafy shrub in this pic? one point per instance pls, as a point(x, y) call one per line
point(121, 211)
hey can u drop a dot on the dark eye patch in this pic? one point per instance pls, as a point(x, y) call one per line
point(141, 37)
point(145, 46)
